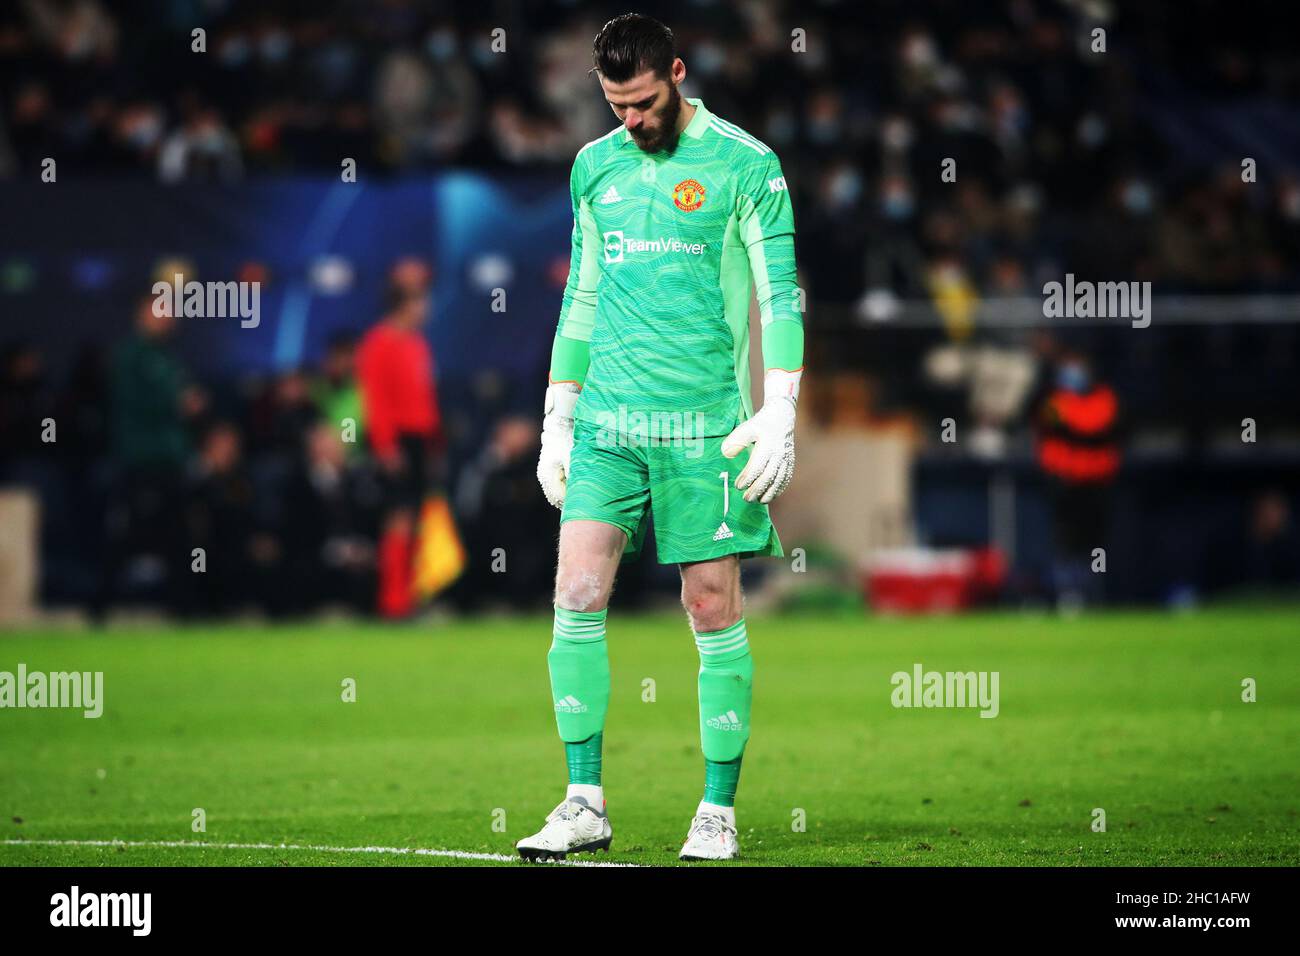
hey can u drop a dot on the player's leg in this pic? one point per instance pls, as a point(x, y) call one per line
point(705, 526)
point(578, 659)
point(578, 662)
point(404, 490)
point(605, 499)
point(396, 544)
point(712, 598)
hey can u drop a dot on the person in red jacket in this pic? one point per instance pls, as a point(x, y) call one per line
point(1078, 447)
point(403, 424)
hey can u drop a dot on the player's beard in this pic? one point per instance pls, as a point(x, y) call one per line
point(665, 137)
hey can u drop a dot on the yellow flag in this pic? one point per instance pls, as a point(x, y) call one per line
point(439, 554)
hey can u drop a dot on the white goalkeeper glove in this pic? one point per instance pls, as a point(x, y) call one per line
point(771, 432)
point(557, 440)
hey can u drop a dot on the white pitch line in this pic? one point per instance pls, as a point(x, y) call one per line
point(394, 850)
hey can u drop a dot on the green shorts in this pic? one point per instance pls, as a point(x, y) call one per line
point(687, 485)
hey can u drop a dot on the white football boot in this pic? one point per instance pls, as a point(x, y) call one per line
point(712, 837)
point(572, 827)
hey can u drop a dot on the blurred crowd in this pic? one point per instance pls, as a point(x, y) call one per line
point(863, 102)
point(289, 495)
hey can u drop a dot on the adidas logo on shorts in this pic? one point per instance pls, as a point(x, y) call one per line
point(722, 533)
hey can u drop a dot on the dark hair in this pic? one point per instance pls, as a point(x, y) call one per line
point(631, 44)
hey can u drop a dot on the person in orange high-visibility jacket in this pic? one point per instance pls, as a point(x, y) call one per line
point(1078, 448)
point(403, 425)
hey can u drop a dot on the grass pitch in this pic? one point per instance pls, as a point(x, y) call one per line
point(452, 738)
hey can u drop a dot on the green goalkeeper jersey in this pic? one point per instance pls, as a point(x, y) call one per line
point(654, 321)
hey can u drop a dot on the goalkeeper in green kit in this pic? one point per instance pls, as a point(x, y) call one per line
point(677, 214)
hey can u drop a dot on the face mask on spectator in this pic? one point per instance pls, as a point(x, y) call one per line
point(145, 132)
point(781, 127)
point(275, 47)
point(235, 52)
point(1137, 197)
point(897, 204)
point(1072, 377)
point(824, 131)
point(1092, 131)
point(844, 189)
point(708, 59)
point(441, 45)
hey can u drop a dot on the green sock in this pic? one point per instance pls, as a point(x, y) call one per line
point(726, 688)
point(579, 668)
point(583, 759)
point(720, 781)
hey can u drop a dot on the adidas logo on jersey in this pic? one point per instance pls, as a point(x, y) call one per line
point(611, 196)
point(723, 533)
point(727, 721)
point(570, 705)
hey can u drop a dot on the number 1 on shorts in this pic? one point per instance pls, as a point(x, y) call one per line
point(726, 493)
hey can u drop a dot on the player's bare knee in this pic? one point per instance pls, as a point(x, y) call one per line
point(580, 591)
point(710, 608)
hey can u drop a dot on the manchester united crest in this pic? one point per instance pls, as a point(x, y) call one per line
point(688, 195)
